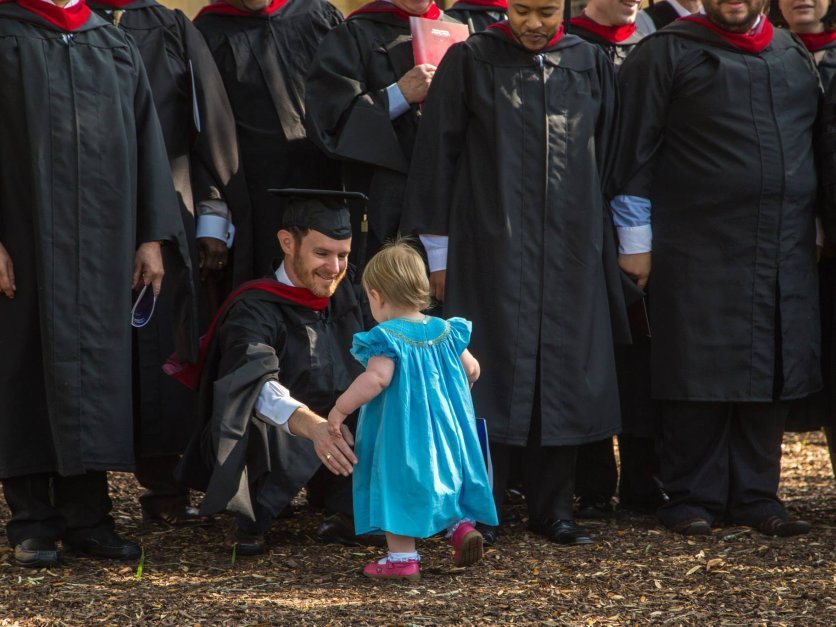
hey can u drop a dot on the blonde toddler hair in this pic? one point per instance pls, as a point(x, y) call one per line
point(398, 273)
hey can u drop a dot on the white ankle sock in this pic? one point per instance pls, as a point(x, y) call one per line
point(400, 557)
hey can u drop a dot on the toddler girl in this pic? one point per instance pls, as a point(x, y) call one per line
point(420, 468)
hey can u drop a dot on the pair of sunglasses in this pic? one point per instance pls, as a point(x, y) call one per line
point(143, 307)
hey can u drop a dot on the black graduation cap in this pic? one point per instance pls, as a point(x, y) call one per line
point(323, 210)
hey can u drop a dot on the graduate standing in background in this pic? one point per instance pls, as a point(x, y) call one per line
point(263, 50)
point(507, 174)
point(815, 24)
point(199, 132)
point(363, 96)
point(479, 14)
point(715, 174)
point(85, 201)
point(659, 14)
point(610, 25)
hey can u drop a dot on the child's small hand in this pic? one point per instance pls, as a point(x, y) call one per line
point(335, 421)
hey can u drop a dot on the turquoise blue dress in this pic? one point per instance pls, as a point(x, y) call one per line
point(420, 466)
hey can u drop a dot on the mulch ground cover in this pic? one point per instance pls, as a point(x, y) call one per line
point(636, 573)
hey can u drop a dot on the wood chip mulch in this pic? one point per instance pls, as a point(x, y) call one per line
point(636, 573)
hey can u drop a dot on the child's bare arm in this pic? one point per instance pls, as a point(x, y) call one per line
point(373, 381)
point(471, 366)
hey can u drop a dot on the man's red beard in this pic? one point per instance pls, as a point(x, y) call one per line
point(309, 280)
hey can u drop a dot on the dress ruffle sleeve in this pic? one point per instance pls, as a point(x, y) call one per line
point(460, 330)
point(374, 343)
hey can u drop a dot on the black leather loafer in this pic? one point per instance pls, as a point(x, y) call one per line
point(36, 553)
point(339, 529)
point(103, 543)
point(249, 544)
point(489, 534)
point(185, 517)
point(568, 533)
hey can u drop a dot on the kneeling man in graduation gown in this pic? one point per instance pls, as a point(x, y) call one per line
point(86, 197)
point(507, 177)
point(716, 175)
point(276, 359)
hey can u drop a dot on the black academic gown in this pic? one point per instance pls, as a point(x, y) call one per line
point(263, 60)
point(199, 131)
point(662, 14)
point(616, 51)
point(83, 180)
point(476, 16)
point(509, 164)
point(721, 142)
point(348, 111)
point(237, 457)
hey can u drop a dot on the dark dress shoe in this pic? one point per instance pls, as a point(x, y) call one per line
point(488, 534)
point(783, 527)
point(36, 553)
point(693, 527)
point(185, 517)
point(596, 511)
point(339, 529)
point(102, 542)
point(567, 532)
point(248, 544)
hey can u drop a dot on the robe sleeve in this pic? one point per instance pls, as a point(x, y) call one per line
point(344, 116)
point(438, 147)
point(158, 211)
point(215, 160)
point(460, 330)
point(374, 343)
point(827, 156)
point(644, 82)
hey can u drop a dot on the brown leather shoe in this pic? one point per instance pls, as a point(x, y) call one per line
point(693, 527)
point(36, 553)
point(783, 527)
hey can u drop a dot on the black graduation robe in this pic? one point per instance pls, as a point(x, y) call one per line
point(84, 179)
point(615, 51)
point(721, 142)
point(662, 13)
point(638, 415)
point(477, 16)
point(263, 60)
point(201, 159)
point(262, 337)
point(348, 111)
point(509, 164)
point(826, 63)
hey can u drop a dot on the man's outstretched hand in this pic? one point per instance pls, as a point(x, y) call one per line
point(333, 450)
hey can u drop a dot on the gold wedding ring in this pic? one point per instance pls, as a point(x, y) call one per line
point(328, 456)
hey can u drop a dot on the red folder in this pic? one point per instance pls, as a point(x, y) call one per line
point(432, 38)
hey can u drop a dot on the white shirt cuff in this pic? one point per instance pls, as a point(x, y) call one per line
point(436, 247)
point(216, 227)
point(275, 405)
point(819, 233)
point(635, 239)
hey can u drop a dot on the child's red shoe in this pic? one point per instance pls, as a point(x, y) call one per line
point(409, 570)
point(467, 543)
